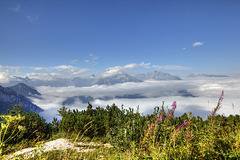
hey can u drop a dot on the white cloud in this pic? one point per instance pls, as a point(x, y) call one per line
point(11, 69)
point(5, 72)
point(197, 44)
point(63, 71)
point(75, 61)
point(41, 69)
point(4, 77)
point(43, 76)
point(92, 59)
point(32, 18)
point(119, 69)
point(70, 70)
point(171, 67)
point(43, 73)
point(16, 9)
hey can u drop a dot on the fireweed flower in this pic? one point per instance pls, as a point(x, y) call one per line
point(220, 101)
point(160, 119)
point(219, 105)
point(160, 115)
point(185, 122)
point(174, 105)
point(180, 126)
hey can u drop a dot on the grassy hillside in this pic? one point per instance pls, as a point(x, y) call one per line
point(159, 135)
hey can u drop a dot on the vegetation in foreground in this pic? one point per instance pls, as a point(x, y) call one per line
point(134, 136)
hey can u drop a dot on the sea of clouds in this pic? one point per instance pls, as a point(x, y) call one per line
point(206, 92)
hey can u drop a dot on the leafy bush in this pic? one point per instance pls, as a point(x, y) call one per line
point(128, 127)
point(36, 127)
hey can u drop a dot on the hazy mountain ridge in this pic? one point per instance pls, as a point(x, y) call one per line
point(9, 97)
point(94, 80)
point(207, 75)
point(159, 76)
point(119, 78)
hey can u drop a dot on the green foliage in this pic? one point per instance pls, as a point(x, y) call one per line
point(75, 121)
point(128, 127)
point(10, 128)
point(31, 128)
point(120, 126)
point(36, 127)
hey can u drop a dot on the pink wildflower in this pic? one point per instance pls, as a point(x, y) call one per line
point(185, 122)
point(160, 119)
point(220, 101)
point(180, 126)
point(174, 105)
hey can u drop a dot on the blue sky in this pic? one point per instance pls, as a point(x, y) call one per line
point(97, 36)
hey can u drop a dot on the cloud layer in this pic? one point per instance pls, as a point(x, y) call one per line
point(207, 91)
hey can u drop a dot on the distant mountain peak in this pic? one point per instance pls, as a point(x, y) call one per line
point(25, 90)
point(9, 97)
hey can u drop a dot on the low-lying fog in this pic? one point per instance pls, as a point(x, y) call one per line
point(205, 92)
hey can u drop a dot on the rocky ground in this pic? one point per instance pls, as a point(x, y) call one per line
point(59, 144)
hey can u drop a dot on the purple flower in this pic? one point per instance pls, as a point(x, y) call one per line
point(160, 119)
point(160, 115)
point(185, 122)
point(174, 105)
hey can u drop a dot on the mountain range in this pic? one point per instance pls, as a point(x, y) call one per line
point(159, 76)
point(207, 75)
point(94, 80)
point(15, 95)
point(21, 93)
